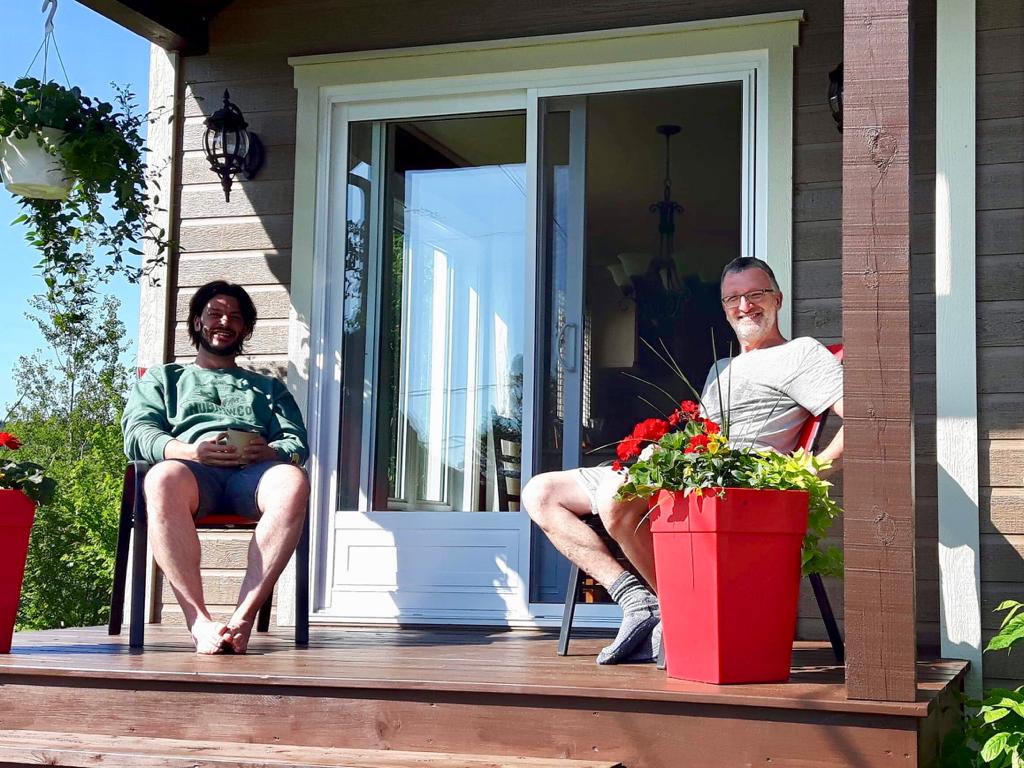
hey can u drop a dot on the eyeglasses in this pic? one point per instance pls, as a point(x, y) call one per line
point(751, 296)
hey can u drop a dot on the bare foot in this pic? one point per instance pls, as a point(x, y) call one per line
point(238, 631)
point(209, 636)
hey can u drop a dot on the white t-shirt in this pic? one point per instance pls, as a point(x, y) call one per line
point(770, 393)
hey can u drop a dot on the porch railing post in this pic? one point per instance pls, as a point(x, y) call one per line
point(878, 469)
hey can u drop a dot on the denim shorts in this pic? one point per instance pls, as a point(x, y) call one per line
point(228, 490)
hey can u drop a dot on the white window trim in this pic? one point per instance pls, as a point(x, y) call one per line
point(956, 386)
point(503, 74)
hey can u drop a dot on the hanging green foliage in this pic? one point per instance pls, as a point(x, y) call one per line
point(98, 231)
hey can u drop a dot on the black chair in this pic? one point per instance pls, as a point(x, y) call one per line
point(507, 461)
point(133, 518)
point(577, 580)
point(810, 436)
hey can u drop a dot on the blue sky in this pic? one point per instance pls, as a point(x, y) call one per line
point(95, 52)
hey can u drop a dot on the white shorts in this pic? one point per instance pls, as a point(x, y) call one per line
point(590, 479)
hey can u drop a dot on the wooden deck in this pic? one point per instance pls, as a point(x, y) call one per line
point(467, 692)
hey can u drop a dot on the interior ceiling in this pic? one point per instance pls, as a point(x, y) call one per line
point(176, 25)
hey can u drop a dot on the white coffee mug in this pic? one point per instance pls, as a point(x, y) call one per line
point(239, 438)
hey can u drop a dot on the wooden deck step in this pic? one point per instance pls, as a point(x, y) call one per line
point(71, 750)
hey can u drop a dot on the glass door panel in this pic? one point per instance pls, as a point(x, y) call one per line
point(562, 363)
point(450, 331)
point(640, 208)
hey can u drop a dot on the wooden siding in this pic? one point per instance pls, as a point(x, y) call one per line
point(248, 240)
point(224, 559)
point(1000, 310)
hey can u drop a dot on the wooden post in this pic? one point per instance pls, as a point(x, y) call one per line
point(878, 466)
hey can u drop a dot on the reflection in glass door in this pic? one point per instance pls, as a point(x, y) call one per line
point(426, 526)
point(447, 339)
point(623, 285)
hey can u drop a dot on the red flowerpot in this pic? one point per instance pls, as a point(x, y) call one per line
point(728, 571)
point(17, 512)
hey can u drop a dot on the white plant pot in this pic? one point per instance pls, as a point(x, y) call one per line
point(30, 171)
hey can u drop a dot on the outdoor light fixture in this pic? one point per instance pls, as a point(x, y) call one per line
point(835, 95)
point(230, 148)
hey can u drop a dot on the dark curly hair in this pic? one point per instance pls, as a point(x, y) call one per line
point(220, 288)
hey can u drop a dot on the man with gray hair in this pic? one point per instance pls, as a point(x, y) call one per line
point(774, 385)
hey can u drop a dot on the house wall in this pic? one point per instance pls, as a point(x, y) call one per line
point(1000, 305)
point(248, 240)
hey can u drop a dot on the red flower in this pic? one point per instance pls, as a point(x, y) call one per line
point(675, 418)
point(651, 429)
point(710, 427)
point(697, 444)
point(628, 447)
point(616, 466)
point(690, 409)
point(9, 441)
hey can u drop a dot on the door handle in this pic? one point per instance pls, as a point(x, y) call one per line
point(567, 347)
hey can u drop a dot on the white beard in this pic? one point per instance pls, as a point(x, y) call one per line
point(750, 331)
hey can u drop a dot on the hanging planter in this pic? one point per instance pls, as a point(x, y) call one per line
point(32, 167)
point(66, 197)
point(728, 566)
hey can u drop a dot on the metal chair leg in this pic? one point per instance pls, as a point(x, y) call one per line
point(124, 536)
point(831, 626)
point(263, 617)
point(570, 609)
point(136, 633)
point(302, 586)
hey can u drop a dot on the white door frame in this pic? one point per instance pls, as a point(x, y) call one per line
point(500, 76)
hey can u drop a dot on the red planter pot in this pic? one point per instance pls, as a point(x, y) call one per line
point(728, 571)
point(17, 512)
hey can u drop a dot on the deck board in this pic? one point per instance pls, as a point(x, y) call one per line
point(87, 750)
point(474, 661)
point(463, 692)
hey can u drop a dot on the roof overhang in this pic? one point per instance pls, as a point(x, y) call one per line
point(175, 25)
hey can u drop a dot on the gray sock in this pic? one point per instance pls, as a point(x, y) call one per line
point(639, 616)
point(648, 650)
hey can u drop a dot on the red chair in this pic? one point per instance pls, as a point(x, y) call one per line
point(133, 518)
point(810, 435)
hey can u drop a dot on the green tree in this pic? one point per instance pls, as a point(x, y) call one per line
point(68, 418)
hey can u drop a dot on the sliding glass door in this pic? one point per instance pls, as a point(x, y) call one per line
point(434, 341)
point(502, 273)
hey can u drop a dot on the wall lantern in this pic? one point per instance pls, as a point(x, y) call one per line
point(230, 148)
point(835, 95)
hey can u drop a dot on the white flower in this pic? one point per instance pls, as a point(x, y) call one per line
point(650, 450)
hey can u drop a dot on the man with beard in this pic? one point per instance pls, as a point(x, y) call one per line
point(177, 418)
point(770, 389)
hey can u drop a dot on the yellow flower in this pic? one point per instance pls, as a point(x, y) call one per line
point(715, 444)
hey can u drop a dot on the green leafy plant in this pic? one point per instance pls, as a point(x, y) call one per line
point(688, 453)
point(103, 152)
point(993, 736)
point(24, 476)
point(70, 399)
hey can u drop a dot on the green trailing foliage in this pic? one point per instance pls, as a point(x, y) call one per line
point(103, 151)
point(992, 733)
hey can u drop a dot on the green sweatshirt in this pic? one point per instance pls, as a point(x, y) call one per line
point(186, 403)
